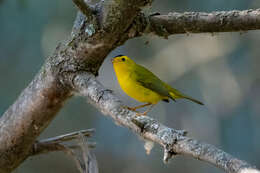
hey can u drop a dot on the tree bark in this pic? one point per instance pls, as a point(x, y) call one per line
point(200, 22)
point(75, 63)
point(92, 39)
point(173, 141)
point(28, 117)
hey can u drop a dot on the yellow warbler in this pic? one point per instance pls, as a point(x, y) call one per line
point(142, 85)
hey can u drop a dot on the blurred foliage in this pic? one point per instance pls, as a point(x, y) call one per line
point(222, 70)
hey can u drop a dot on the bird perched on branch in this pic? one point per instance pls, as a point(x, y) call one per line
point(142, 85)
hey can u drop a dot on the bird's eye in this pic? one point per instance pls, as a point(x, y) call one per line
point(123, 59)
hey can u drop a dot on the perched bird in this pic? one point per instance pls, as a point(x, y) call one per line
point(142, 85)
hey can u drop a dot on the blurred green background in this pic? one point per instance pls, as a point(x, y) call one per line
point(222, 70)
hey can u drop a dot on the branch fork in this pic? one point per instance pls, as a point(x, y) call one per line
point(74, 65)
point(85, 161)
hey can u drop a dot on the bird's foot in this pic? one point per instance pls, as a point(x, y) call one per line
point(141, 114)
point(131, 109)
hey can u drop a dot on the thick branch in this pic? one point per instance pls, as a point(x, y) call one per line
point(173, 141)
point(91, 42)
point(28, 116)
point(199, 22)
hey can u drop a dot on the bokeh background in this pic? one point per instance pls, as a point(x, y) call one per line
point(222, 70)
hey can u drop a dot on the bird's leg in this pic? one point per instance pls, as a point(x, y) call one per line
point(144, 113)
point(138, 107)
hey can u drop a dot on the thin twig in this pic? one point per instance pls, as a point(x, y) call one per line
point(56, 143)
point(89, 162)
point(84, 148)
point(73, 155)
point(68, 137)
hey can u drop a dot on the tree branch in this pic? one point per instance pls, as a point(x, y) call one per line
point(114, 22)
point(55, 144)
point(28, 116)
point(86, 163)
point(173, 141)
point(83, 7)
point(200, 22)
point(38, 104)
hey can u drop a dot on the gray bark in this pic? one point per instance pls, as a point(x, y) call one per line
point(173, 141)
point(92, 39)
point(200, 22)
point(75, 63)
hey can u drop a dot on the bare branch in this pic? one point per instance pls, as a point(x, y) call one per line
point(55, 143)
point(74, 157)
point(89, 163)
point(83, 7)
point(68, 137)
point(89, 160)
point(28, 116)
point(200, 22)
point(173, 141)
point(34, 109)
point(114, 23)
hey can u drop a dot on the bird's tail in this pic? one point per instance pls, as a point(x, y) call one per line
point(175, 94)
point(192, 99)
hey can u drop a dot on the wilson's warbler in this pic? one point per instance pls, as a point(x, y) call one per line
point(142, 85)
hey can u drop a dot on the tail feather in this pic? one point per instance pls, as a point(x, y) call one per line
point(192, 99)
point(176, 94)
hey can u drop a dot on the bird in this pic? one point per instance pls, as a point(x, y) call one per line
point(142, 85)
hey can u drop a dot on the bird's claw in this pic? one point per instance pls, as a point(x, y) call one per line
point(137, 113)
point(129, 108)
point(141, 114)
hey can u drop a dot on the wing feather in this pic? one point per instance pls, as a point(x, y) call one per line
point(148, 80)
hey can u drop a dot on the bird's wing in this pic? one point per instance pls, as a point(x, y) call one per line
point(148, 80)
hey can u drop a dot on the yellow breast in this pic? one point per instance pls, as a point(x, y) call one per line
point(133, 89)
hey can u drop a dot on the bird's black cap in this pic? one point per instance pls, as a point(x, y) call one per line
point(118, 56)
